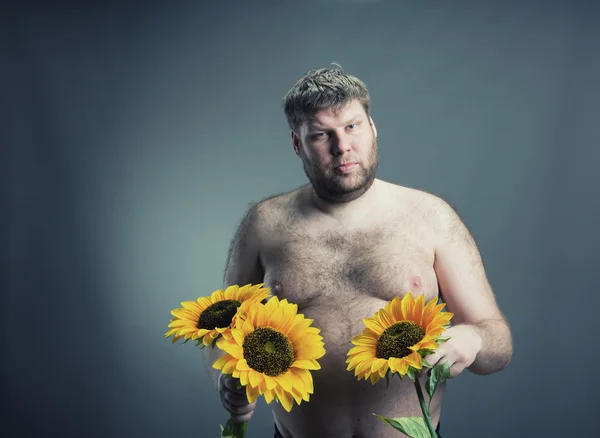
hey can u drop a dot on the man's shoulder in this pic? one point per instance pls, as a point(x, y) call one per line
point(416, 196)
point(423, 203)
point(273, 208)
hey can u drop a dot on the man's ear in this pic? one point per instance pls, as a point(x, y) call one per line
point(373, 125)
point(296, 144)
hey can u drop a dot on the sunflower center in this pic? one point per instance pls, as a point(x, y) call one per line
point(218, 314)
point(268, 351)
point(396, 339)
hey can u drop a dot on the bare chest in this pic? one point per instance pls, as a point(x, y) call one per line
point(350, 269)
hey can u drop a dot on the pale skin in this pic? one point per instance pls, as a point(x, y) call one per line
point(340, 260)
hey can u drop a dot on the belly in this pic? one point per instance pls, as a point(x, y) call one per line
point(341, 405)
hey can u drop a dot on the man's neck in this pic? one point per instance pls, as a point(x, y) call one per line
point(354, 209)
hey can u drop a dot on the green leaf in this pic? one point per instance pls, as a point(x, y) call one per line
point(437, 375)
point(411, 374)
point(442, 339)
point(233, 429)
point(414, 427)
point(425, 352)
point(387, 379)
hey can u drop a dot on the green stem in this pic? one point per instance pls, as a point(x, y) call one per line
point(424, 408)
point(234, 429)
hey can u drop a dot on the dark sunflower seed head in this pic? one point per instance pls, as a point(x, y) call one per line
point(218, 315)
point(268, 351)
point(396, 339)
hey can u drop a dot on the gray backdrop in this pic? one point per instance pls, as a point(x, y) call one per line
point(138, 136)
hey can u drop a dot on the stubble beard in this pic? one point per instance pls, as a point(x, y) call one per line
point(333, 187)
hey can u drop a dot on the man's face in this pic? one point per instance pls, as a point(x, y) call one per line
point(339, 152)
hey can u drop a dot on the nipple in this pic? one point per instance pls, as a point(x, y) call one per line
point(416, 284)
point(277, 287)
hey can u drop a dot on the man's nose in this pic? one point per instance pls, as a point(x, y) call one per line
point(340, 144)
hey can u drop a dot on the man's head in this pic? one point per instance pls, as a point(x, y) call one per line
point(328, 113)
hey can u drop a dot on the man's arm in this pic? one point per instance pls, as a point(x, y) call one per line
point(242, 267)
point(483, 341)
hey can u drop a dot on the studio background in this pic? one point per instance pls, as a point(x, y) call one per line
point(137, 135)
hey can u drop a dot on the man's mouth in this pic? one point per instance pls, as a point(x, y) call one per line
point(345, 167)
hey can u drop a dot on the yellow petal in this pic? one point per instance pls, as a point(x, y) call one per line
point(247, 328)
point(229, 366)
point(284, 382)
point(295, 380)
point(386, 319)
point(355, 360)
point(221, 361)
point(270, 382)
point(181, 323)
point(373, 325)
point(238, 336)
point(364, 365)
point(284, 398)
point(308, 364)
point(309, 351)
point(254, 377)
point(361, 349)
point(269, 396)
point(297, 395)
point(251, 393)
point(383, 371)
point(365, 340)
point(234, 350)
point(418, 309)
point(306, 378)
point(242, 365)
point(394, 364)
point(429, 345)
point(217, 295)
point(414, 360)
point(260, 317)
point(272, 304)
point(401, 366)
point(231, 292)
point(204, 303)
point(406, 306)
point(297, 326)
point(192, 306)
point(378, 364)
point(374, 378)
point(185, 314)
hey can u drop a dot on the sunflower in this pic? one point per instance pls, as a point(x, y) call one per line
point(209, 317)
point(397, 337)
point(271, 351)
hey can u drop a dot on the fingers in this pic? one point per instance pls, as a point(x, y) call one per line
point(433, 358)
point(234, 399)
point(457, 368)
point(439, 357)
point(232, 384)
point(240, 413)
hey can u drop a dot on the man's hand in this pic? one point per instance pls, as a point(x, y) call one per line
point(459, 351)
point(234, 399)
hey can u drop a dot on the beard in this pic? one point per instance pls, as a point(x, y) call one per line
point(337, 188)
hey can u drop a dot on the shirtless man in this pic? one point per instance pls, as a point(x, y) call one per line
point(340, 248)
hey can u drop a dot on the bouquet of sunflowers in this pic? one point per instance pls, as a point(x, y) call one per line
point(268, 346)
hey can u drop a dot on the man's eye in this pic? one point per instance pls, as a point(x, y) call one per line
point(352, 126)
